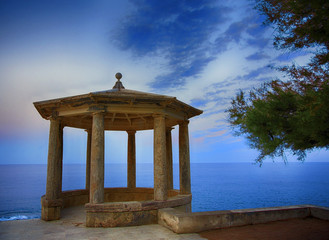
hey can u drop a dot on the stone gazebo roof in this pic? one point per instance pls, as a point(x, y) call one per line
point(125, 109)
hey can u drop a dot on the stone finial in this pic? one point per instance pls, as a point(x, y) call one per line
point(118, 76)
point(118, 85)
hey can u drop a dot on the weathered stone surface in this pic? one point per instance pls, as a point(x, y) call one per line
point(320, 212)
point(170, 183)
point(51, 202)
point(121, 206)
point(139, 107)
point(121, 219)
point(181, 222)
point(50, 213)
point(68, 228)
point(75, 198)
point(160, 168)
point(187, 208)
point(184, 159)
point(88, 159)
point(97, 159)
point(51, 209)
point(131, 213)
point(131, 160)
point(81, 197)
point(54, 165)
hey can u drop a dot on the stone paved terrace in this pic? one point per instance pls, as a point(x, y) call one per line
point(71, 226)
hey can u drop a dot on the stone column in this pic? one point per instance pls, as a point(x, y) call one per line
point(61, 132)
point(169, 158)
point(160, 170)
point(88, 155)
point(131, 160)
point(184, 159)
point(52, 202)
point(97, 159)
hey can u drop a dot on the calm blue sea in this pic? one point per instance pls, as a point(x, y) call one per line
point(215, 186)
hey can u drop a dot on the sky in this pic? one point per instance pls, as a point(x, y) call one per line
point(201, 51)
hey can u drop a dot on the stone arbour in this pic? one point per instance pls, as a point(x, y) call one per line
point(117, 109)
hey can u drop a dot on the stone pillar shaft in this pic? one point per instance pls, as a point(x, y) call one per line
point(61, 132)
point(184, 159)
point(88, 155)
point(97, 160)
point(160, 171)
point(51, 203)
point(54, 166)
point(131, 160)
point(169, 158)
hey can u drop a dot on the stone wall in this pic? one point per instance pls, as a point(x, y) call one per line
point(180, 222)
point(132, 213)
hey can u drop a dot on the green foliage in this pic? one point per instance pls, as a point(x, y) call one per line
point(299, 24)
point(290, 115)
point(283, 116)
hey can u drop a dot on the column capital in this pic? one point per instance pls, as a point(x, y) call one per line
point(168, 129)
point(184, 122)
point(58, 120)
point(98, 112)
point(131, 132)
point(55, 118)
point(158, 115)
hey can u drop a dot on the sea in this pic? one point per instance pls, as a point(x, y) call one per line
point(215, 186)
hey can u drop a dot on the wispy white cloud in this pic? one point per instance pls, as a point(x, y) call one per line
point(178, 30)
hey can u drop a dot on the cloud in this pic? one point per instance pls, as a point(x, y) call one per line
point(258, 56)
point(257, 74)
point(291, 56)
point(215, 134)
point(180, 31)
point(235, 30)
point(248, 31)
point(189, 35)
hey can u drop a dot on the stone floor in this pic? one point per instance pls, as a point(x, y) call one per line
point(71, 226)
point(37, 229)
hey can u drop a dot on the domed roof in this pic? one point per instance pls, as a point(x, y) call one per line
point(124, 109)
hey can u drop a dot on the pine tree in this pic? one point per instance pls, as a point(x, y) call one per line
point(290, 115)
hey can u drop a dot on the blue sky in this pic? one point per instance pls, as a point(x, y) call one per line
point(202, 52)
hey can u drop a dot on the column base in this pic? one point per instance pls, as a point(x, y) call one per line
point(51, 209)
point(50, 213)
